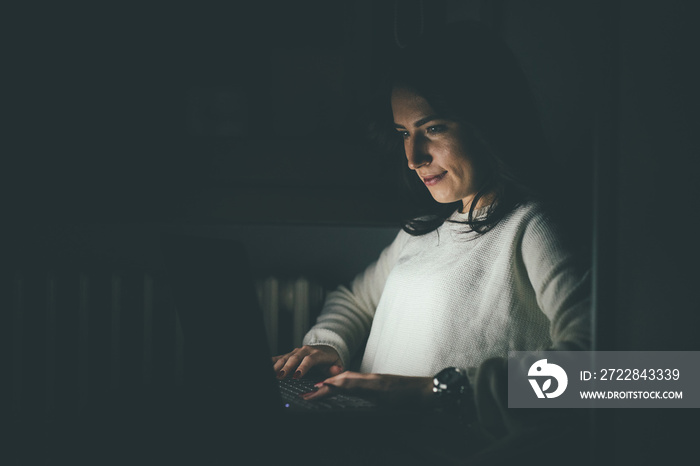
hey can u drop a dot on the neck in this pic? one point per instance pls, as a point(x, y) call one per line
point(485, 200)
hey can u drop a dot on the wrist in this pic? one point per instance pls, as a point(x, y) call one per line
point(426, 390)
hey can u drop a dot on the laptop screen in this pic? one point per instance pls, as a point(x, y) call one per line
point(228, 368)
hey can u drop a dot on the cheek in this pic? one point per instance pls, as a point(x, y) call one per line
point(462, 167)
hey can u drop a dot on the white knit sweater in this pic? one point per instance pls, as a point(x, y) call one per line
point(450, 298)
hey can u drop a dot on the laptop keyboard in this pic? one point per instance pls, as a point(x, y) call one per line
point(290, 389)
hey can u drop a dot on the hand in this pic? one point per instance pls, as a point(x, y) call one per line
point(301, 360)
point(391, 389)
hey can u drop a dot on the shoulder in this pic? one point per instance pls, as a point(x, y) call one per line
point(542, 238)
point(533, 226)
point(530, 217)
point(402, 237)
point(393, 250)
point(529, 211)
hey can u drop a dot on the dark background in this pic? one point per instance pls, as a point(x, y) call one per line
point(259, 108)
point(255, 114)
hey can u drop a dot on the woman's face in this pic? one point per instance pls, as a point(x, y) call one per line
point(436, 148)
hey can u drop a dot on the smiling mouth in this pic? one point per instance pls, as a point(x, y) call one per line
point(434, 179)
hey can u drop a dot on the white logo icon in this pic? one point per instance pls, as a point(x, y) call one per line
point(540, 369)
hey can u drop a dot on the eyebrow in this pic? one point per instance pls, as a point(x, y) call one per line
point(419, 123)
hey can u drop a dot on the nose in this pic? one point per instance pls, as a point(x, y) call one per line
point(417, 153)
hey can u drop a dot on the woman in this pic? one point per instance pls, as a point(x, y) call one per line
point(484, 269)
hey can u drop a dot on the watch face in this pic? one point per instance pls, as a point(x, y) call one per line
point(451, 377)
point(449, 380)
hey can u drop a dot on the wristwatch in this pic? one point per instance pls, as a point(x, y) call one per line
point(451, 383)
point(453, 390)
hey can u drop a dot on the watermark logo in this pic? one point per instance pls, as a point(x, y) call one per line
point(541, 369)
point(603, 379)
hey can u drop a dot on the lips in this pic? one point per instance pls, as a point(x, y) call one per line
point(432, 180)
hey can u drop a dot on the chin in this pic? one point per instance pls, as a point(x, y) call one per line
point(442, 199)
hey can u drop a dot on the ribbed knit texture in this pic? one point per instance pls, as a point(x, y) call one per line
point(450, 298)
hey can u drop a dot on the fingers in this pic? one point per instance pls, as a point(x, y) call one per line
point(390, 389)
point(299, 361)
point(344, 381)
point(283, 364)
point(278, 362)
point(384, 388)
point(335, 369)
point(291, 364)
point(350, 381)
point(318, 358)
point(322, 390)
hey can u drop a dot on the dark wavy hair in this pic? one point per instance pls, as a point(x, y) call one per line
point(467, 74)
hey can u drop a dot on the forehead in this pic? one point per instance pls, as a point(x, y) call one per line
point(407, 105)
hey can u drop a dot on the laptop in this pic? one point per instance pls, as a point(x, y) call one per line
point(227, 356)
point(238, 407)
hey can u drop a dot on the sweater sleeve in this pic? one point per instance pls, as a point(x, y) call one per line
point(562, 289)
point(561, 285)
point(346, 317)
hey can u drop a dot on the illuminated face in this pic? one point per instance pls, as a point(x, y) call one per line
point(436, 148)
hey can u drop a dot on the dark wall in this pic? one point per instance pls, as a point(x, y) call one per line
point(239, 112)
point(325, 254)
point(657, 176)
point(656, 232)
point(252, 113)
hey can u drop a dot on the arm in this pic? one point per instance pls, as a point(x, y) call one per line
point(561, 284)
point(346, 318)
point(347, 314)
point(563, 291)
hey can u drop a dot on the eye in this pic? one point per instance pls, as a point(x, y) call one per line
point(436, 129)
point(404, 134)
